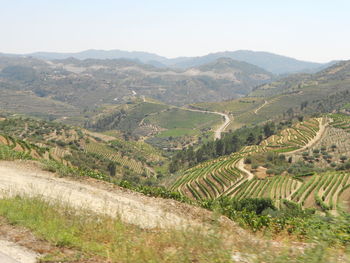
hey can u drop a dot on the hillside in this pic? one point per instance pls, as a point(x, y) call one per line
point(76, 88)
point(53, 142)
point(273, 169)
point(108, 208)
point(164, 126)
point(293, 96)
point(270, 62)
point(276, 64)
point(74, 214)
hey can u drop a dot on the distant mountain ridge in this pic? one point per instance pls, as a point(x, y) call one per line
point(273, 63)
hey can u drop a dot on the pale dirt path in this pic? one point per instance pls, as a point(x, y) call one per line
point(240, 166)
point(134, 208)
point(299, 184)
point(218, 131)
point(313, 141)
point(260, 107)
point(25, 178)
point(222, 127)
point(13, 253)
point(102, 198)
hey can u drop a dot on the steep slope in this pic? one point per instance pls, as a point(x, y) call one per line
point(226, 175)
point(230, 176)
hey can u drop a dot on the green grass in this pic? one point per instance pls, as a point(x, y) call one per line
point(178, 118)
point(108, 238)
point(235, 107)
point(6, 153)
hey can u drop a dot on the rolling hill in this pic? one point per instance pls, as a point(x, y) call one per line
point(76, 147)
point(274, 63)
point(292, 96)
point(82, 86)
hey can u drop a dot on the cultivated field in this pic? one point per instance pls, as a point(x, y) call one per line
point(228, 176)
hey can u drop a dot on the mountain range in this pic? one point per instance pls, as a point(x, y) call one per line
point(273, 63)
point(90, 83)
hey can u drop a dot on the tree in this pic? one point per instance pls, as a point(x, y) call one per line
point(303, 105)
point(333, 147)
point(290, 112)
point(220, 147)
point(250, 139)
point(112, 168)
point(269, 129)
point(343, 158)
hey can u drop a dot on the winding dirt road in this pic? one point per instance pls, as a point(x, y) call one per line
point(260, 107)
point(222, 127)
point(320, 133)
point(240, 166)
point(25, 178)
point(22, 177)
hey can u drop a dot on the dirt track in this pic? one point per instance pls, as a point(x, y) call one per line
point(222, 127)
point(319, 135)
point(260, 107)
point(22, 177)
point(131, 207)
point(240, 166)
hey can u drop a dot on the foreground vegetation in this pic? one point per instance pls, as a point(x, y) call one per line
point(259, 215)
point(104, 239)
point(255, 214)
point(108, 239)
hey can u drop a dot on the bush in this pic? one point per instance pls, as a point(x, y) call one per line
point(316, 151)
point(270, 171)
point(255, 166)
point(248, 160)
point(256, 205)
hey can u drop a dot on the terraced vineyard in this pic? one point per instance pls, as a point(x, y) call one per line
point(341, 121)
point(323, 191)
point(69, 145)
point(295, 137)
point(330, 150)
point(113, 155)
point(23, 147)
point(276, 188)
point(226, 176)
point(211, 179)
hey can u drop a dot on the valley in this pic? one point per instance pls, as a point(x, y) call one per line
point(221, 144)
point(174, 131)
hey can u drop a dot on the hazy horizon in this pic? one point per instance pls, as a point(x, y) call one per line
point(312, 31)
point(218, 51)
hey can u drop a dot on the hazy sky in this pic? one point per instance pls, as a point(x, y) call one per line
point(316, 30)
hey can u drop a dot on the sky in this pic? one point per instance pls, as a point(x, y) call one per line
point(313, 30)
